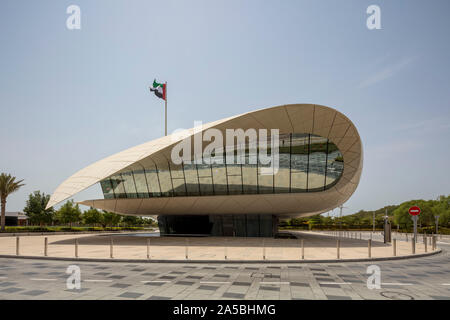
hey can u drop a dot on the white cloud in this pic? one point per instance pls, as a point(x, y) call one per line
point(386, 72)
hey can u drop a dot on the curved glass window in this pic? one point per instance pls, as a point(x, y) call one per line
point(306, 163)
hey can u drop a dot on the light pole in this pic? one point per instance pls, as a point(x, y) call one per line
point(373, 222)
point(436, 218)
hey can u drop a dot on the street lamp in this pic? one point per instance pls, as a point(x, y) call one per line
point(436, 218)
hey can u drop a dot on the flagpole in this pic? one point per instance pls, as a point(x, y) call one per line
point(165, 112)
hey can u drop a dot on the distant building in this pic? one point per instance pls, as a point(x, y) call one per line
point(16, 219)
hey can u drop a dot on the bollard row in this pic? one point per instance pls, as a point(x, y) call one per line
point(431, 240)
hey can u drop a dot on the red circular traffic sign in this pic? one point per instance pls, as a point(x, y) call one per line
point(414, 211)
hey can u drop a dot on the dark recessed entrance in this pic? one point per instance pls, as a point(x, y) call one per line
point(244, 225)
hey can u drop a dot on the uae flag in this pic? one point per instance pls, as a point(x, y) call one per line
point(159, 89)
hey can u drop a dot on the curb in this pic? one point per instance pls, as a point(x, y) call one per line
point(58, 233)
point(224, 261)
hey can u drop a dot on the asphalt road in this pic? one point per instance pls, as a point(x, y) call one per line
point(418, 278)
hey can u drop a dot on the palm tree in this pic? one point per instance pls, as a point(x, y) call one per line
point(8, 185)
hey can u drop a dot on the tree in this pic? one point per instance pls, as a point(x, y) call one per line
point(35, 208)
point(8, 185)
point(69, 213)
point(315, 221)
point(111, 218)
point(131, 220)
point(92, 216)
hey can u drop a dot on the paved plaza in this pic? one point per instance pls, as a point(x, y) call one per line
point(417, 278)
point(317, 246)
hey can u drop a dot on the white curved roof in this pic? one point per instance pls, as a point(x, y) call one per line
point(295, 118)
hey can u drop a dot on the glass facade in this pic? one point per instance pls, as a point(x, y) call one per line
point(307, 163)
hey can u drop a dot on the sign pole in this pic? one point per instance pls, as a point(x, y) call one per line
point(414, 211)
point(165, 111)
point(415, 228)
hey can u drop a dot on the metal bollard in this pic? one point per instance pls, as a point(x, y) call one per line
point(111, 255)
point(394, 247)
point(303, 249)
point(186, 252)
point(369, 247)
point(413, 245)
point(434, 243)
point(148, 248)
point(338, 247)
point(431, 238)
point(45, 246)
point(426, 244)
point(76, 248)
point(225, 250)
point(17, 246)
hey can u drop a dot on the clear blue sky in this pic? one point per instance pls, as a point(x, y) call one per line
point(69, 98)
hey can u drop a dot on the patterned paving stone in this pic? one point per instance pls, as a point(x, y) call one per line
point(299, 284)
point(11, 290)
point(331, 297)
point(120, 285)
point(131, 295)
point(241, 283)
point(167, 278)
point(324, 279)
point(267, 288)
point(205, 287)
point(158, 298)
point(329, 285)
point(34, 293)
point(440, 297)
point(7, 284)
point(155, 283)
point(233, 295)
